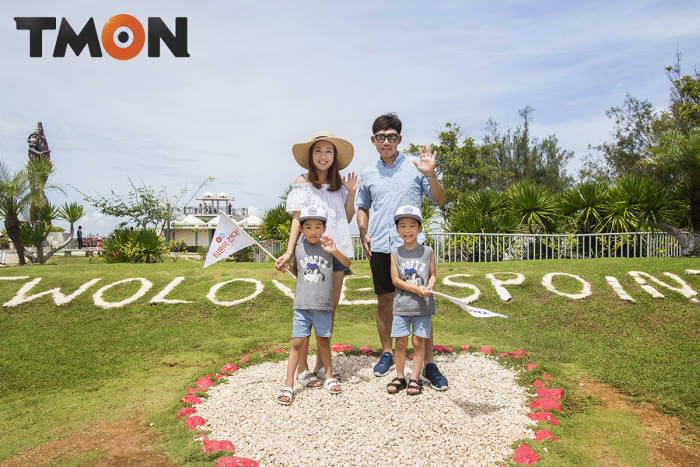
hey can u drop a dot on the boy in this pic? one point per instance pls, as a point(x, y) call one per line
point(413, 275)
point(313, 300)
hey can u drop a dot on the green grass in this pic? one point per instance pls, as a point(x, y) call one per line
point(62, 368)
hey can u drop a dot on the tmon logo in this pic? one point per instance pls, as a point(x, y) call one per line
point(123, 36)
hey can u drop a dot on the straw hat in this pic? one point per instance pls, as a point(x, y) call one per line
point(343, 149)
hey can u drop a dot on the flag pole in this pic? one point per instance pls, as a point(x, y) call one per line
point(271, 256)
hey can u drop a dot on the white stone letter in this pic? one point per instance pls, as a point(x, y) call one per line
point(215, 288)
point(498, 284)
point(145, 287)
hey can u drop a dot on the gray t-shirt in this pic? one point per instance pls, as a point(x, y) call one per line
point(314, 278)
point(414, 268)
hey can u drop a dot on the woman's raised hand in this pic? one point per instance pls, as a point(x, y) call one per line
point(351, 182)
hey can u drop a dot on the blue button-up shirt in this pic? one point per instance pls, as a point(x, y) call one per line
point(382, 191)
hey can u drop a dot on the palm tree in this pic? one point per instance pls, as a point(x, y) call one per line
point(636, 202)
point(71, 213)
point(533, 205)
point(482, 211)
point(584, 205)
point(15, 199)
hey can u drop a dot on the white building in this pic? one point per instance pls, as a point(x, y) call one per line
point(198, 223)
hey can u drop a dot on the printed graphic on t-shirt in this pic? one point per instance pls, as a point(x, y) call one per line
point(413, 270)
point(312, 268)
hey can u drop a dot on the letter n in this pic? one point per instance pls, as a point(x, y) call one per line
point(157, 31)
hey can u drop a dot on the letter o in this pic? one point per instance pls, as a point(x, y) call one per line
point(111, 47)
point(211, 296)
point(145, 287)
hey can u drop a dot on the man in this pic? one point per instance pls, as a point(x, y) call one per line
point(393, 181)
point(80, 236)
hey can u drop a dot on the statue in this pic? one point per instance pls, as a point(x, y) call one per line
point(38, 146)
point(38, 149)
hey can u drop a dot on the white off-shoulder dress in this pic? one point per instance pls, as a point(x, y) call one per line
point(337, 226)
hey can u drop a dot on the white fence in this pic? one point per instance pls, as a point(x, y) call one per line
point(488, 247)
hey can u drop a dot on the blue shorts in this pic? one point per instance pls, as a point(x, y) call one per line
point(421, 324)
point(304, 320)
point(338, 266)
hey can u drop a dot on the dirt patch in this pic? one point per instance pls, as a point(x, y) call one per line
point(675, 442)
point(124, 442)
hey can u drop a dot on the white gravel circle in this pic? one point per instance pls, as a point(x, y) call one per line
point(474, 422)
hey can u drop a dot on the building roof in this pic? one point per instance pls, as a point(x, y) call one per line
point(189, 219)
point(251, 221)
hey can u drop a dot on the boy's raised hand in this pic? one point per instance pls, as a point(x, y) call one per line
point(328, 244)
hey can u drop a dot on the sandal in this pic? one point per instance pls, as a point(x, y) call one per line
point(414, 387)
point(285, 392)
point(396, 385)
point(330, 384)
point(321, 373)
point(309, 380)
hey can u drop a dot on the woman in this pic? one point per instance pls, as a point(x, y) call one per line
point(323, 157)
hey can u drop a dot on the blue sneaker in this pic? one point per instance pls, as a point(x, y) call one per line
point(384, 365)
point(432, 375)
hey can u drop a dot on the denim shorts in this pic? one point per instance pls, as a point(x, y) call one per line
point(338, 266)
point(304, 320)
point(421, 324)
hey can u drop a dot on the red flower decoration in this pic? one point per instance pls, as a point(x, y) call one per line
point(218, 376)
point(545, 403)
point(465, 347)
point(539, 384)
point(116, 253)
point(204, 382)
point(519, 352)
point(194, 421)
point(337, 347)
point(193, 390)
point(229, 368)
point(365, 350)
point(502, 354)
point(347, 347)
point(544, 434)
point(486, 350)
point(531, 366)
point(544, 417)
point(279, 350)
point(525, 455)
point(235, 461)
point(449, 349)
point(410, 357)
point(213, 446)
point(186, 411)
point(244, 360)
point(547, 376)
point(190, 399)
point(555, 394)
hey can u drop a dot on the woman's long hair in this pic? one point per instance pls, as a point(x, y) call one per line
point(334, 179)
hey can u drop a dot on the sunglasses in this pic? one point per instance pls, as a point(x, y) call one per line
point(393, 137)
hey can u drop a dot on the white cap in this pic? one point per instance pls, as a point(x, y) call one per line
point(313, 212)
point(408, 211)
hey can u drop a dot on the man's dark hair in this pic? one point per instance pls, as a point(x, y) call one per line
point(80, 226)
point(388, 121)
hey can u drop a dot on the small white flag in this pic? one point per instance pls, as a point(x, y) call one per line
point(229, 238)
point(472, 310)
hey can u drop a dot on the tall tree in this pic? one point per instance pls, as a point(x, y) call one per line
point(541, 161)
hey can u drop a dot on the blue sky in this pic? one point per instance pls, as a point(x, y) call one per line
point(265, 75)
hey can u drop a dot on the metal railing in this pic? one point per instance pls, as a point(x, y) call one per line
point(489, 247)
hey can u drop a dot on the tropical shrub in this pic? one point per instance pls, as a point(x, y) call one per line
point(533, 206)
point(134, 246)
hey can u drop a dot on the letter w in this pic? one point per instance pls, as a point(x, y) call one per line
point(59, 298)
